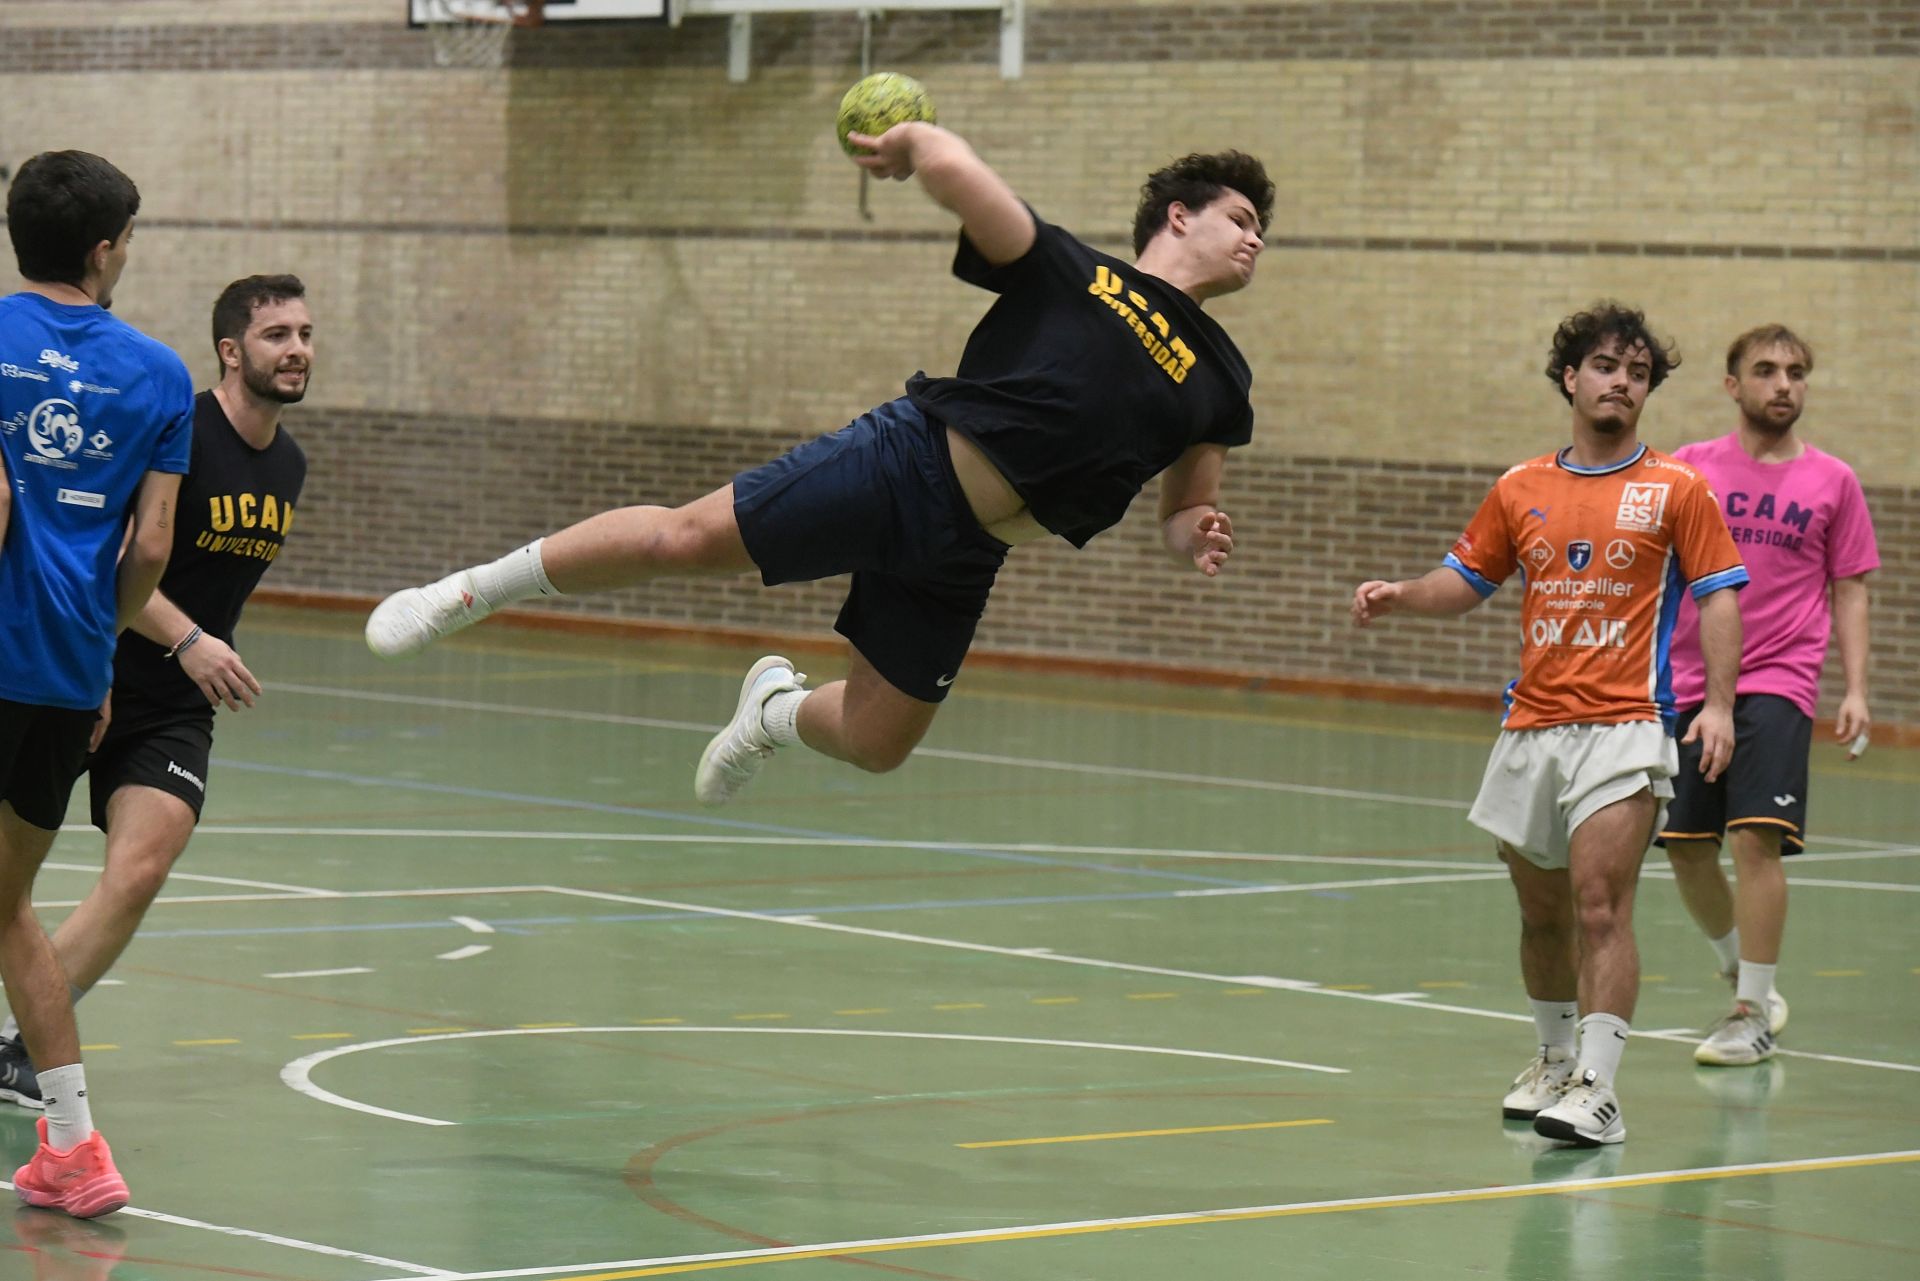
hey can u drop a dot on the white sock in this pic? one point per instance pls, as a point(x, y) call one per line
point(779, 716)
point(1603, 1039)
point(519, 575)
point(69, 1119)
point(1556, 1023)
point(1756, 983)
point(1727, 949)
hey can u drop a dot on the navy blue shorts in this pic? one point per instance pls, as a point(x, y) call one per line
point(1765, 785)
point(42, 751)
point(878, 499)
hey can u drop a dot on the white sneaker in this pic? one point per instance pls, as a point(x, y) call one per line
point(736, 753)
point(408, 621)
point(1587, 1115)
point(1738, 1039)
point(1776, 1004)
point(1542, 1083)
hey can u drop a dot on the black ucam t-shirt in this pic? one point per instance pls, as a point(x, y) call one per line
point(236, 506)
point(1086, 379)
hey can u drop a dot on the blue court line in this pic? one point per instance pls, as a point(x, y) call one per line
point(703, 820)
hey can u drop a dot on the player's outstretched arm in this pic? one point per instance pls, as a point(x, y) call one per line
point(995, 220)
point(1192, 526)
point(149, 543)
point(1440, 593)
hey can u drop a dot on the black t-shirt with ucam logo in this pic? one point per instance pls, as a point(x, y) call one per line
point(236, 506)
point(1086, 379)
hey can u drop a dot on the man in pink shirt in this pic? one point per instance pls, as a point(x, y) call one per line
point(1801, 523)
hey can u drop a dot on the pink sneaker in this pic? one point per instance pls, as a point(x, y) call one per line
point(82, 1182)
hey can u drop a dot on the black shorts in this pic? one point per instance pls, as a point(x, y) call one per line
point(879, 499)
point(42, 751)
point(1764, 786)
point(147, 746)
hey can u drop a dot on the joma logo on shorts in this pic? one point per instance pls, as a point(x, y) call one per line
point(186, 774)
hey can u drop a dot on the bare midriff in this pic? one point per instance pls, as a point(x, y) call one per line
point(996, 504)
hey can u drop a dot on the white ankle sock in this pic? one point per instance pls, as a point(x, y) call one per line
point(1556, 1023)
point(779, 716)
point(69, 1119)
point(1756, 982)
point(1603, 1039)
point(519, 575)
point(1727, 949)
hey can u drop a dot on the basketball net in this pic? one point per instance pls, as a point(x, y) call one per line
point(475, 33)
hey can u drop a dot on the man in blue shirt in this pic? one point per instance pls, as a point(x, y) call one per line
point(96, 425)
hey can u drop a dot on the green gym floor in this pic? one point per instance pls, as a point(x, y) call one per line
point(1112, 981)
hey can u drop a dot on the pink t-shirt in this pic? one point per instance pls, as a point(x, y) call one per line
point(1799, 525)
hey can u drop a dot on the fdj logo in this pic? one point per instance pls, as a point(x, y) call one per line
point(53, 429)
point(1580, 554)
point(1642, 506)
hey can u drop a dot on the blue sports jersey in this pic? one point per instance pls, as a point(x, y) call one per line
point(88, 406)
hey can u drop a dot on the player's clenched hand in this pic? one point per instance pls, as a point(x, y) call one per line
point(217, 670)
point(1852, 724)
point(1713, 730)
point(1212, 542)
point(1374, 599)
point(892, 152)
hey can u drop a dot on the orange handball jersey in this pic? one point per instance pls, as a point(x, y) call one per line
point(1603, 555)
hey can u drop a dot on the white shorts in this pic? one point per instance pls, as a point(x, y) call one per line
point(1541, 784)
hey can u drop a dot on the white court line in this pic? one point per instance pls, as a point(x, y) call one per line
point(1077, 1227)
point(412, 1269)
point(1042, 954)
point(298, 1075)
point(462, 953)
point(1229, 891)
point(937, 753)
point(307, 890)
point(318, 974)
point(478, 927)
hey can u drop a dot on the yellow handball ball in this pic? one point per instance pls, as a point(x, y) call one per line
point(878, 103)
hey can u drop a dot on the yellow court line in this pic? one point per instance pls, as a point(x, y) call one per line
point(746, 1018)
point(1839, 974)
point(1074, 1000)
point(1461, 1196)
point(1151, 996)
point(877, 1009)
point(1144, 1134)
point(961, 1005)
point(89, 1049)
point(1437, 983)
point(425, 1031)
point(323, 1036)
point(534, 1026)
point(211, 1040)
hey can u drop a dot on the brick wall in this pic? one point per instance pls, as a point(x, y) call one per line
point(607, 275)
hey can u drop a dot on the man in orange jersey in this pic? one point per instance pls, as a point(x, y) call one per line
point(1606, 534)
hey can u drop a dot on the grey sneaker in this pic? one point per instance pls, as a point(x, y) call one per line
point(736, 753)
point(19, 1083)
point(1776, 1004)
point(1738, 1039)
point(408, 621)
point(1540, 1085)
point(1587, 1115)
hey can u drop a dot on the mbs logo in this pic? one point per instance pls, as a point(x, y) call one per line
point(1166, 348)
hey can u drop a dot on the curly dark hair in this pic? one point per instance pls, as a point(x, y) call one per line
point(1196, 181)
point(1580, 334)
point(61, 205)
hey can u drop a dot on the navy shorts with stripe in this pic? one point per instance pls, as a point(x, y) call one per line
point(1765, 785)
point(879, 499)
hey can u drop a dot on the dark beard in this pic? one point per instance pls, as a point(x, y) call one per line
point(1766, 426)
point(260, 383)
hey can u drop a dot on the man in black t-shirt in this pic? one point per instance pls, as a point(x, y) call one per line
point(1087, 377)
point(176, 663)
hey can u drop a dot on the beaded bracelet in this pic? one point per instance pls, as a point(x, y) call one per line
point(185, 641)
